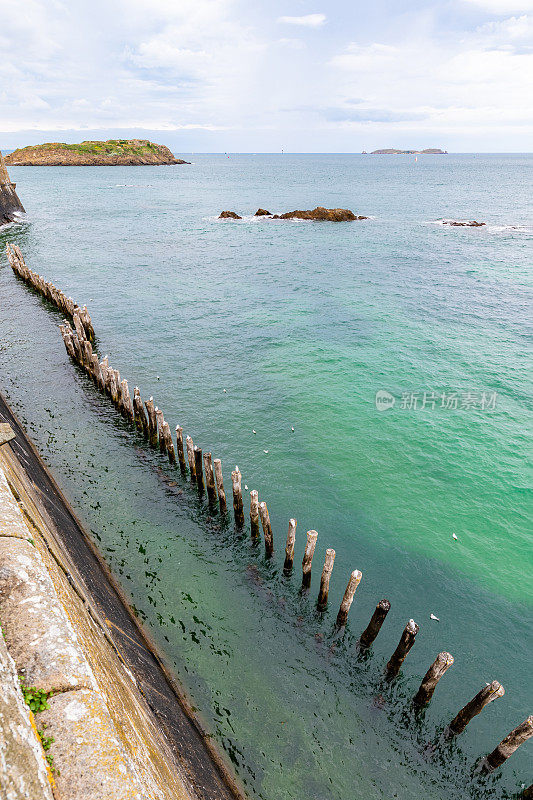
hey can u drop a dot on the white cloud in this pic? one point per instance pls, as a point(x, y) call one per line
point(216, 65)
point(295, 44)
point(307, 21)
point(476, 81)
point(502, 7)
point(514, 29)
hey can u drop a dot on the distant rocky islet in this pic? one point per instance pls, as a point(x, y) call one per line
point(390, 151)
point(114, 152)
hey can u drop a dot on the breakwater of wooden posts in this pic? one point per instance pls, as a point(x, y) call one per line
point(205, 472)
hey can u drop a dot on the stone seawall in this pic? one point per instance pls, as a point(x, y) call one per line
point(100, 736)
point(94, 653)
point(10, 204)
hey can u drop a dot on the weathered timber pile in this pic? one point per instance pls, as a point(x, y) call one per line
point(150, 421)
point(49, 291)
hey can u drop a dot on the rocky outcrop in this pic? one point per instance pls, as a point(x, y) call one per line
point(467, 224)
point(322, 214)
point(318, 214)
point(114, 152)
point(430, 151)
point(10, 204)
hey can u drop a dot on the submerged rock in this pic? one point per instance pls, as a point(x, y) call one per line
point(229, 215)
point(261, 212)
point(467, 224)
point(10, 204)
point(322, 214)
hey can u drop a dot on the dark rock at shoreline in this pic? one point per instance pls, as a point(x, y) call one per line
point(261, 212)
point(229, 215)
point(471, 224)
point(10, 204)
point(322, 214)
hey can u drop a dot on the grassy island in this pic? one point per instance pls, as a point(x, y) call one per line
point(391, 152)
point(114, 152)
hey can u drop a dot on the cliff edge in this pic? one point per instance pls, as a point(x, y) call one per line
point(114, 152)
point(10, 204)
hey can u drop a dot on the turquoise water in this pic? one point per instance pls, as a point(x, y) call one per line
point(301, 324)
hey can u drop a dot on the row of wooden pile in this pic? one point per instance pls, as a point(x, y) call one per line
point(207, 474)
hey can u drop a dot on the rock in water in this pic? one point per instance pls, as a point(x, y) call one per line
point(10, 204)
point(323, 214)
point(261, 212)
point(229, 215)
point(459, 224)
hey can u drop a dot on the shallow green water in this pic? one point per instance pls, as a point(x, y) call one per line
point(302, 324)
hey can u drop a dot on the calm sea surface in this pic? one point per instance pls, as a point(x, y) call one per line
point(266, 326)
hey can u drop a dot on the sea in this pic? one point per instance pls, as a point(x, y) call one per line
point(371, 379)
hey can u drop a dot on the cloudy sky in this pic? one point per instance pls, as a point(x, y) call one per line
point(250, 76)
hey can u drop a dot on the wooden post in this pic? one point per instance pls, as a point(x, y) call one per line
point(161, 434)
point(87, 323)
point(66, 333)
point(199, 468)
point(254, 513)
point(347, 600)
point(127, 405)
point(118, 401)
point(431, 678)
point(475, 707)
point(97, 372)
point(169, 444)
point(289, 547)
point(220, 486)
point(69, 344)
point(87, 352)
point(77, 349)
point(80, 330)
point(238, 508)
point(324, 579)
point(374, 626)
point(267, 529)
point(104, 369)
point(152, 421)
point(141, 419)
point(307, 560)
point(209, 478)
point(507, 747)
point(179, 444)
point(407, 640)
point(190, 456)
